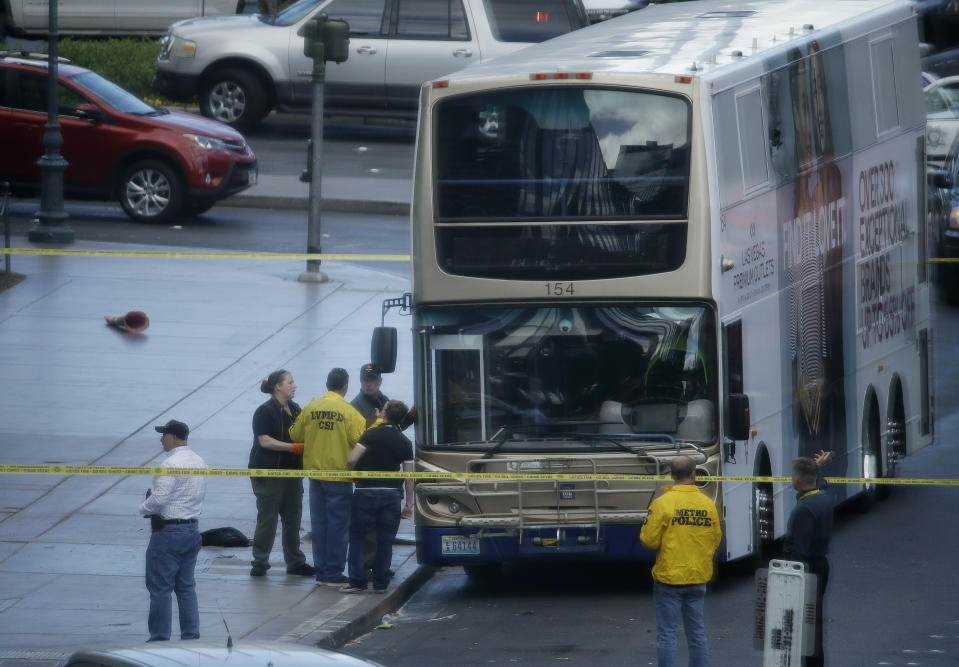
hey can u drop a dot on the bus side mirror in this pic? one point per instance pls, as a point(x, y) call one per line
point(738, 417)
point(383, 349)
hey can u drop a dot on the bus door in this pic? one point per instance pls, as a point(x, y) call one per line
point(457, 389)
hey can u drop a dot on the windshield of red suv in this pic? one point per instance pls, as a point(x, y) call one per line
point(115, 96)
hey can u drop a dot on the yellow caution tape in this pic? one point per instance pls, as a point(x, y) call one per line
point(26, 469)
point(176, 254)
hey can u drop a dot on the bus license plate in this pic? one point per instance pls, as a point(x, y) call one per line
point(457, 544)
point(567, 492)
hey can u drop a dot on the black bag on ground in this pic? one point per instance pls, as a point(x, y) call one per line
point(224, 537)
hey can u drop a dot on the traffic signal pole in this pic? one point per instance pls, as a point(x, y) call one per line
point(323, 39)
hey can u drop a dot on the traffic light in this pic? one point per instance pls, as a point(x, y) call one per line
point(326, 36)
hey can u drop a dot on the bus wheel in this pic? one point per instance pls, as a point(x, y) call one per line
point(870, 458)
point(764, 530)
point(483, 572)
point(762, 524)
point(895, 444)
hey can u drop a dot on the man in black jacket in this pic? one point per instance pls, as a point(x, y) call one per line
point(370, 399)
point(808, 533)
point(376, 502)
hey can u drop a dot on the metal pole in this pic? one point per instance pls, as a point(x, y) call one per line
point(314, 236)
point(51, 225)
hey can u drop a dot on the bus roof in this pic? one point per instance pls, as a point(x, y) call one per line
point(699, 39)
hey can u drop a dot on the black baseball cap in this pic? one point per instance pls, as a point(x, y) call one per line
point(174, 428)
point(369, 371)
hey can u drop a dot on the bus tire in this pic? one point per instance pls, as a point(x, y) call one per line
point(871, 456)
point(763, 515)
point(895, 441)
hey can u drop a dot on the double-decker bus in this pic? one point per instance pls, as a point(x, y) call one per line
point(693, 230)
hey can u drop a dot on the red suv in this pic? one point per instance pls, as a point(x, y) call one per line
point(158, 163)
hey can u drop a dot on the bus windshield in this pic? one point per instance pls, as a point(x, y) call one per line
point(608, 369)
point(550, 153)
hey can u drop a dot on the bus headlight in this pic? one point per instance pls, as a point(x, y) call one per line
point(454, 507)
point(954, 218)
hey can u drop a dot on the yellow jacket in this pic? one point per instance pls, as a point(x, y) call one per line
point(328, 427)
point(683, 528)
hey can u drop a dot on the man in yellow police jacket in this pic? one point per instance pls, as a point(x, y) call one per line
point(683, 528)
point(329, 427)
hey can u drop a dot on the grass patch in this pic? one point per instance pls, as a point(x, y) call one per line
point(127, 61)
point(130, 62)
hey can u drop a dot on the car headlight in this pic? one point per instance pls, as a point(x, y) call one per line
point(207, 143)
point(180, 48)
point(954, 218)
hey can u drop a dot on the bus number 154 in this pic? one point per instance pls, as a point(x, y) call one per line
point(560, 289)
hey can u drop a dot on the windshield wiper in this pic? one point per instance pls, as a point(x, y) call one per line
point(505, 433)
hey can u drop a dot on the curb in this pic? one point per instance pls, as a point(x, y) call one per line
point(303, 204)
point(372, 617)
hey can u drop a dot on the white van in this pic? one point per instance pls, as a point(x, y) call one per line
point(111, 17)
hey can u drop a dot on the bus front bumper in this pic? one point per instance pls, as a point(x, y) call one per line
point(454, 546)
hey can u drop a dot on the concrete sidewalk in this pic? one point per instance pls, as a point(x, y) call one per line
point(79, 392)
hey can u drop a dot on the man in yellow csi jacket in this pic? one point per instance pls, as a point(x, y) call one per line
point(683, 528)
point(328, 427)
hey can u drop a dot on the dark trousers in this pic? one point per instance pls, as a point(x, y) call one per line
point(381, 508)
point(819, 567)
point(281, 499)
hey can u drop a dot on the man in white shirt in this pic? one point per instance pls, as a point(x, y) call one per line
point(173, 505)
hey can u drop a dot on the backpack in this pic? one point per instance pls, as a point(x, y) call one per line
point(224, 537)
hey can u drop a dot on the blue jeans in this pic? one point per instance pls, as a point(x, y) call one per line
point(330, 504)
point(382, 508)
point(170, 562)
point(671, 601)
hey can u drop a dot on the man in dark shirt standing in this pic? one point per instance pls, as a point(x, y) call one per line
point(808, 533)
point(370, 399)
point(377, 501)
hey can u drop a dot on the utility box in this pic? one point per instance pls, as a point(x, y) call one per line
point(784, 626)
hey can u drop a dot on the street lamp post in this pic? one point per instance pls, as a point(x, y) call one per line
point(51, 225)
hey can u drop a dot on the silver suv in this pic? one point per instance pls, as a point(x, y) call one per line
point(241, 67)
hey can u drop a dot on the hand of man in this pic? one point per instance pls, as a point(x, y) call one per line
point(407, 512)
point(822, 457)
point(296, 447)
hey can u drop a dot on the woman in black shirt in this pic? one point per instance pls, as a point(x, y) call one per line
point(277, 497)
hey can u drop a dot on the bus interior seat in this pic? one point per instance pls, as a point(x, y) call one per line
point(692, 421)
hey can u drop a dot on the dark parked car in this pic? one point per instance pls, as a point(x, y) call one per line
point(157, 163)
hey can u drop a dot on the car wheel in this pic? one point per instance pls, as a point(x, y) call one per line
point(233, 97)
point(150, 191)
